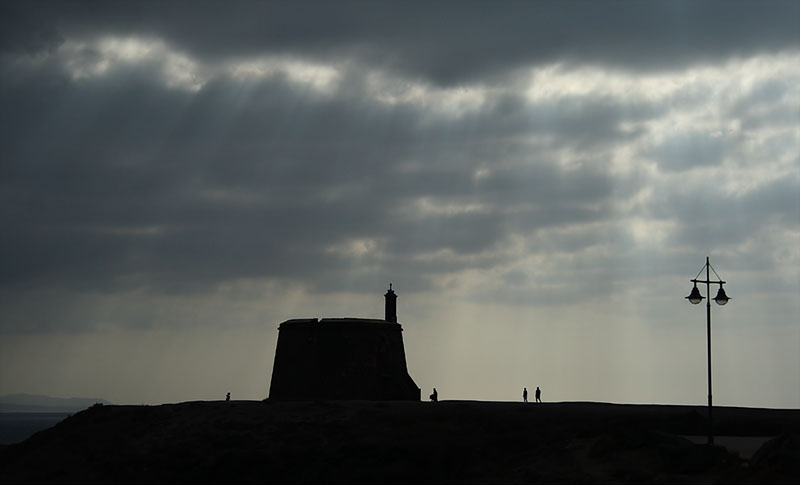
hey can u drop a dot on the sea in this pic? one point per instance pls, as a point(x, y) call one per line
point(16, 427)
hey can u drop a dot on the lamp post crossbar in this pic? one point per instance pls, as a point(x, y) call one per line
point(720, 282)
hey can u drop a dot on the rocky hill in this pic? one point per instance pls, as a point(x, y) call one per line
point(402, 442)
point(34, 403)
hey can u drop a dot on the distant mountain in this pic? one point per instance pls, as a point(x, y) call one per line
point(33, 403)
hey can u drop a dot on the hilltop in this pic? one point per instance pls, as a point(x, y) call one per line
point(380, 442)
point(35, 403)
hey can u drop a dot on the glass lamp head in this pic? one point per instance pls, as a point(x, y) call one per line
point(695, 297)
point(721, 297)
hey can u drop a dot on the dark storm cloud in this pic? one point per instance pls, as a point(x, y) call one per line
point(27, 28)
point(441, 41)
point(113, 178)
point(119, 180)
point(685, 151)
point(714, 219)
point(766, 104)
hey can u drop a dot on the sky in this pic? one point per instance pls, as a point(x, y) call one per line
point(539, 181)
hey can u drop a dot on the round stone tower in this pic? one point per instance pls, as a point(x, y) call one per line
point(343, 358)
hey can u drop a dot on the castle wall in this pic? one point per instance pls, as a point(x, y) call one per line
point(344, 358)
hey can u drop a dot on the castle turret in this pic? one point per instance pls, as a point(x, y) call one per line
point(391, 305)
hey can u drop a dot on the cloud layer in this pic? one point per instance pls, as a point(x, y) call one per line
point(512, 156)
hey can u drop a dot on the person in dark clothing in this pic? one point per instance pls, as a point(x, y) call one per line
point(525, 394)
point(434, 396)
point(538, 394)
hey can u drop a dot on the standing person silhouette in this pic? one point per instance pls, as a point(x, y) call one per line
point(228, 397)
point(538, 394)
point(435, 396)
point(525, 394)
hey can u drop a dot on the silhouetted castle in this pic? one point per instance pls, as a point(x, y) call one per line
point(343, 358)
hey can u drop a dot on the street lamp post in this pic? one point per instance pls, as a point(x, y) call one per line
point(695, 297)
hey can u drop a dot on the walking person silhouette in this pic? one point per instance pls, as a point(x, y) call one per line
point(525, 394)
point(538, 394)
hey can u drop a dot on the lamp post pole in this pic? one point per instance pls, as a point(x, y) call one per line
point(695, 297)
point(708, 340)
